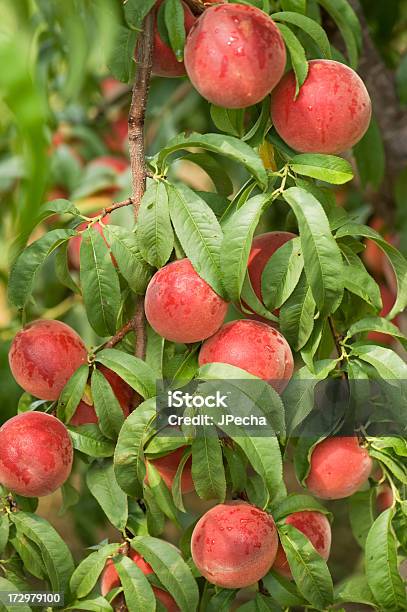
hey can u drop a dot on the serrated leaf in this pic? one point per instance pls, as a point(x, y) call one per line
point(328, 168)
point(208, 472)
point(154, 231)
point(124, 246)
point(101, 481)
point(23, 272)
point(88, 439)
point(135, 372)
point(137, 590)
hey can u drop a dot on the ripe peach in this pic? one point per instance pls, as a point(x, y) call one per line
point(388, 300)
point(316, 527)
point(74, 245)
point(263, 247)
point(234, 544)
point(339, 467)
point(373, 256)
point(118, 164)
point(252, 346)
point(85, 413)
point(110, 580)
point(43, 357)
point(165, 63)
point(35, 454)
point(167, 468)
point(331, 113)
point(384, 499)
point(234, 55)
point(181, 306)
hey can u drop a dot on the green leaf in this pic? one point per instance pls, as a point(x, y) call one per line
point(55, 554)
point(132, 370)
point(7, 586)
point(387, 363)
point(236, 245)
point(382, 572)
point(128, 457)
point(23, 272)
point(154, 231)
point(361, 514)
point(309, 570)
point(70, 497)
point(281, 274)
point(229, 120)
point(121, 61)
point(309, 26)
point(397, 260)
point(299, 6)
point(171, 570)
point(198, 231)
point(135, 11)
point(97, 603)
point(322, 257)
point(160, 494)
point(62, 269)
point(328, 168)
point(137, 590)
point(107, 407)
point(208, 472)
point(124, 246)
point(174, 20)
point(4, 531)
point(176, 488)
point(72, 394)
point(297, 54)
point(230, 147)
point(296, 502)
point(101, 481)
point(99, 283)
point(30, 555)
point(297, 315)
point(214, 169)
point(348, 23)
point(378, 324)
point(370, 157)
point(88, 571)
point(357, 280)
point(282, 590)
point(88, 439)
point(355, 590)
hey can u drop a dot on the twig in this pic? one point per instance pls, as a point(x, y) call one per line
point(118, 337)
point(117, 205)
point(196, 6)
point(335, 336)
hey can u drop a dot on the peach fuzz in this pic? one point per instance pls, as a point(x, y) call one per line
point(85, 413)
point(110, 580)
point(234, 545)
point(167, 468)
point(36, 454)
point(316, 527)
point(339, 467)
point(331, 113)
point(234, 55)
point(165, 63)
point(252, 346)
point(180, 306)
point(44, 355)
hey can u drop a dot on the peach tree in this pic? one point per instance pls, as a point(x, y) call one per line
point(207, 336)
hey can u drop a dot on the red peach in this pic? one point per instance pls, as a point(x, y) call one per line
point(116, 137)
point(43, 357)
point(263, 247)
point(74, 245)
point(339, 467)
point(331, 113)
point(252, 346)
point(316, 527)
point(373, 256)
point(388, 300)
point(85, 413)
point(110, 580)
point(118, 164)
point(167, 468)
point(180, 306)
point(385, 499)
point(234, 545)
point(165, 64)
point(35, 454)
point(234, 55)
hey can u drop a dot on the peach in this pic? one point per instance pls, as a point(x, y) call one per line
point(35, 454)
point(117, 136)
point(44, 355)
point(316, 527)
point(167, 468)
point(180, 306)
point(74, 245)
point(118, 164)
point(373, 256)
point(331, 113)
point(234, 545)
point(385, 498)
point(234, 55)
point(252, 346)
point(110, 580)
point(263, 247)
point(165, 63)
point(388, 300)
point(339, 467)
point(85, 413)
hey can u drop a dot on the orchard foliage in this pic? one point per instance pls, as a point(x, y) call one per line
point(254, 277)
